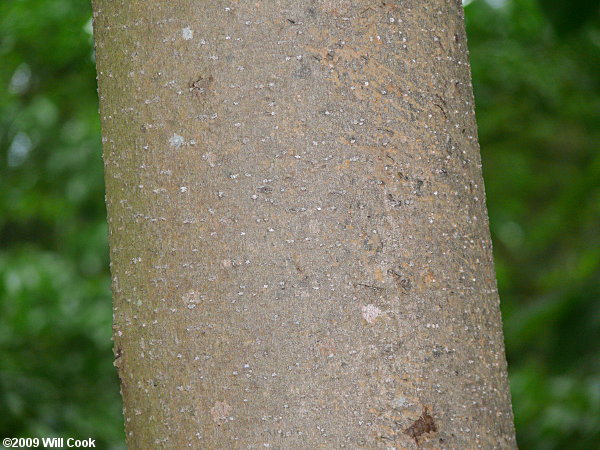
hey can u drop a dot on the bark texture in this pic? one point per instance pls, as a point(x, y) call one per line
point(299, 240)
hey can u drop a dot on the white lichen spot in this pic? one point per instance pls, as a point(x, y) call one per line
point(220, 411)
point(192, 298)
point(187, 33)
point(370, 312)
point(176, 141)
point(400, 402)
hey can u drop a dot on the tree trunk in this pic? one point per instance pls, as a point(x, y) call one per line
point(299, 240)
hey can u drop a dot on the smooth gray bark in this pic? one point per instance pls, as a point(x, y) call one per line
point(299, 240)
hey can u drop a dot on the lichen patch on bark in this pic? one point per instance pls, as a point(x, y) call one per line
point(370, 313)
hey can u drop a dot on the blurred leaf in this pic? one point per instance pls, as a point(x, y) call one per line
point(569, 16)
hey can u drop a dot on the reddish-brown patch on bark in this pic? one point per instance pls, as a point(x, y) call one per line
point(424, 424)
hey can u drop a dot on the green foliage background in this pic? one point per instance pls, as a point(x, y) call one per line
point(537, 89)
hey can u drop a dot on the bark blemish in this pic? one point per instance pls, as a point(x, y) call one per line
point(423, 425)
point(200, 86)
point(370, 313)
point(370, 286)
point(118, 354)
point(176, 141)
point(220, 411)
point(404, 283)
point(187, 33)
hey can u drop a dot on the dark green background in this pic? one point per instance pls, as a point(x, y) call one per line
point(535, 69)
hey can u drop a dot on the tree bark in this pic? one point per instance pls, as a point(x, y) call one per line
point(299, 240)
